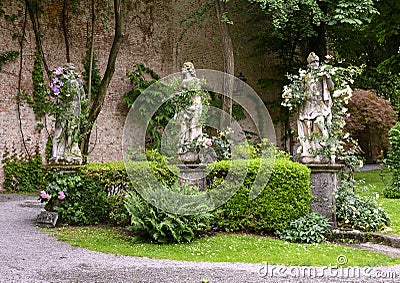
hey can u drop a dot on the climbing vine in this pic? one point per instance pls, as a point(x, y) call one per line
point(38, 101)
point(7, 57)
point(338, 144)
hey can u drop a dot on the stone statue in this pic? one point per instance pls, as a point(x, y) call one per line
point(315, 112)
point(70, 96)
point(189, 118)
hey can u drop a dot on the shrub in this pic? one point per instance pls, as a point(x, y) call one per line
point(310, 228)
point(363, 124)
point(284, 198)
point(23, 174)
point(85, 200)
point(111, 178)
point(161, 226)
point(357, 212)
point(393, 191)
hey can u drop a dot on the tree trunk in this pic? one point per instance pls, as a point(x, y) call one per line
point(91, 54)
point(318, 44)
point(21, 61)
point(33, 14)
point(229, 60)
point(65, 30)
point(97, 102)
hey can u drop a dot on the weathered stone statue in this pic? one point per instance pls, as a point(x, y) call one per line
point(189, 118)
point(315, 113)
point(70, 96)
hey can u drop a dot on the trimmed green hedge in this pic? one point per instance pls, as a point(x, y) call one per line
point(96, 193)
point(285, 197)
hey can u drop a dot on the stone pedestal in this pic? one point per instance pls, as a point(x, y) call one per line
point(193, 175)
point(324, 181)
point(47, 219)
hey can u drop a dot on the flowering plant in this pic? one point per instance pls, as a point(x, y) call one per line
point(66, 83)
point(294, 94)
point(202, 141)
point(219, 144)
point(67, 87)
point(51, 196)
point(44, 197)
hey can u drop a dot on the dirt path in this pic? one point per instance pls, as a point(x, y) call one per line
point(29, 255)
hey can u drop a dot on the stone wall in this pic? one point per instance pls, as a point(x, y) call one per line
point(151, 37)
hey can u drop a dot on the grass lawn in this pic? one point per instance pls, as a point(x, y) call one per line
point(373, 184)
point(223, 248)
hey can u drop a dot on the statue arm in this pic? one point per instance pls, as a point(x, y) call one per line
point(330, 84)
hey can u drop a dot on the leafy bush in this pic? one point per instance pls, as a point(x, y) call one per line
point(23, 174)
point(85, 200)
point(284, 198)
point(310, 228)
point(363, 124)
point(161, 226)
point(393, 191)
point(357, 212)
point(118, 215)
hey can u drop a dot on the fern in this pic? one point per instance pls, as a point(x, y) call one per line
point(161, 226)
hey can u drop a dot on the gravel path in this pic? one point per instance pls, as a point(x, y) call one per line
point(29, 255)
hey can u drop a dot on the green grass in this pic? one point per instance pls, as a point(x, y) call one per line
point(222, 248)
point(373, 183)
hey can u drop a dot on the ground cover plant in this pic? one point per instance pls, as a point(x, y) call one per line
point(372, 184)
point(222, 248)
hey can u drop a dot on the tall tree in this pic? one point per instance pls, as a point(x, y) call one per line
point(321, 14)
point(292, 29)
point(97, 101)
point(376, 45)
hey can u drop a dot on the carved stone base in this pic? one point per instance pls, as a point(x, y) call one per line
point(324, 181)
point(193, 175)
point(47, 219)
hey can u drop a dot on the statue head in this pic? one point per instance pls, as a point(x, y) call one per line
point(188, 69)
point(313, 61)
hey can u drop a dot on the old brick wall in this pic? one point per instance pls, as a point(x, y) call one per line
point(151, 36)
point(147, 39)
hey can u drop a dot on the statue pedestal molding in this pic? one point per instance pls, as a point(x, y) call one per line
point(324, 181)
point(193, 175)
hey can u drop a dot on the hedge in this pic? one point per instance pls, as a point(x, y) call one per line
point(98, 195)
point(286, 197)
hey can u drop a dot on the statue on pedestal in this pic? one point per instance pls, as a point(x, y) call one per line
point(189, 118)
point(67, 88)
point(315, 113)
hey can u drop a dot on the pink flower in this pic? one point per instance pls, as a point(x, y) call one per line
point(208, 142)
point(59, 71)
point(61, 195)
point(44, 195)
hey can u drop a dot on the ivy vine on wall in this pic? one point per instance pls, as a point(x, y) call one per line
point(7, 57)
